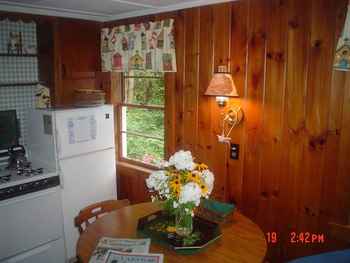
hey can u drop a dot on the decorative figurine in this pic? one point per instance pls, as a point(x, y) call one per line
point(14, 45)
point(42, 95)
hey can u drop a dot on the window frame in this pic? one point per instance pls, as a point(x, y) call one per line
point(120, 131)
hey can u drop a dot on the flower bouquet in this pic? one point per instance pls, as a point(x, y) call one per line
point(181, 184)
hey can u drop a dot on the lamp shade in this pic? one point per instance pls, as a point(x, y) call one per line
point(222, 85)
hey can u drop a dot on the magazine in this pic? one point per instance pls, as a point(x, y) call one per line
point(119, 257)
point(121, 245)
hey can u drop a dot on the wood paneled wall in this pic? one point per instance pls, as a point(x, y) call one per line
point(77, 57)
point(293, 169)
point(292, 173)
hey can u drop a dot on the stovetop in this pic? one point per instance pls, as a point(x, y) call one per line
point(8, 175)
point(11, 177)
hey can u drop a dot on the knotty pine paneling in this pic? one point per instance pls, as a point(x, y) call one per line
point(204, 148)
point(254, 105)
point(221, 56)
point(77, 57)
point(238, 56)
point(294, 137)
point(292, 174)
point(191, 77)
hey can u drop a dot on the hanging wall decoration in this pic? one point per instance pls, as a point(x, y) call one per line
point(143, 46)
point(342, 55)
point(42, 95)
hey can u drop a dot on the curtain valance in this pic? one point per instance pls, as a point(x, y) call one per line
point(342, 55)
point(144, 46)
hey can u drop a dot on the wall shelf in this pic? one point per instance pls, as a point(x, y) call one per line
point(17, 55)
point(18, 84)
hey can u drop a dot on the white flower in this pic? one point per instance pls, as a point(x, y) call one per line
point(157, 181)
point(190, 192)
point(208, 178)
point(162, 164)
point(182, 160)
point(175, 204)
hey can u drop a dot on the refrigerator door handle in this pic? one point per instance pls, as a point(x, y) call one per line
point(58, 138)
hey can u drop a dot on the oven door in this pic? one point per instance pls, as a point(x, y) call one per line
point(30, 221)
point(50, 252)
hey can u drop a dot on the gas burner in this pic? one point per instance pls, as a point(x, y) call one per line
point(5, 178)
point(27, 171)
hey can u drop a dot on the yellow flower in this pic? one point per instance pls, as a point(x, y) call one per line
point(204, 189)
point(175, 177)
point(186, 176)
point(175, 183)
point(194, 177)
point(175, 186)
point(177, 192)
point(201, 167)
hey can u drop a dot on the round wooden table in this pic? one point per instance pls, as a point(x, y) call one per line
point(241, 241)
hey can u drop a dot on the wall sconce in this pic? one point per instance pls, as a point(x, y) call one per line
point(222, 87)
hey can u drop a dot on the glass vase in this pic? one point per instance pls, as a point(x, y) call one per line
point(183, 223)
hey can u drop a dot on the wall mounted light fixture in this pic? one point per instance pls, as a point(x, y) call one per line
point(222, 87)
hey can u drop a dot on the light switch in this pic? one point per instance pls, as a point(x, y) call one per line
point(234, 152)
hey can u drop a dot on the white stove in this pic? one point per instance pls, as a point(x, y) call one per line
point(31, 212)
point(24, 180)
point(31, 217)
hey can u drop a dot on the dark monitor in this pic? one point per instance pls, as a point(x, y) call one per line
point(9, 131)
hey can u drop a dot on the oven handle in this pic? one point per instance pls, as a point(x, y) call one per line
point(29, 196)
point(30, 253)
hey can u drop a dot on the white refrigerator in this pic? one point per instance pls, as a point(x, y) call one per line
point(85, 159)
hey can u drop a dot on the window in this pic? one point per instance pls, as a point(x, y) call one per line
point(142, 117)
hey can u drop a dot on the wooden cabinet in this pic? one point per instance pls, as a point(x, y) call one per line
point(77, 57)
point(68, 54)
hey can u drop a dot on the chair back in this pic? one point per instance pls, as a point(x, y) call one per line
point(97, 210)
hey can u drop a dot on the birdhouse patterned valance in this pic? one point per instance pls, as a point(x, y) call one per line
point(144, 46)
point(342, 55)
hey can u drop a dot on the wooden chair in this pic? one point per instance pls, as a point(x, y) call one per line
point(95, 211)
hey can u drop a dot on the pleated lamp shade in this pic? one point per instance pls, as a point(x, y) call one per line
point(222, 85)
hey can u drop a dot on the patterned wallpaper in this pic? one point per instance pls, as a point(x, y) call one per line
point(18, 69)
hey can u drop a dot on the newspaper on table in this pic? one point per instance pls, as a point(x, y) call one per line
point(119, 257)
point(105, 244)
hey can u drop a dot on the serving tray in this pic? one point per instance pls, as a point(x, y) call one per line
point(157, 225)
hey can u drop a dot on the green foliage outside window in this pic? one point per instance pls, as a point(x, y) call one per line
point(144, 88)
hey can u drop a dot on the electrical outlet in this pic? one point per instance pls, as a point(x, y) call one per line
point(234, 152)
